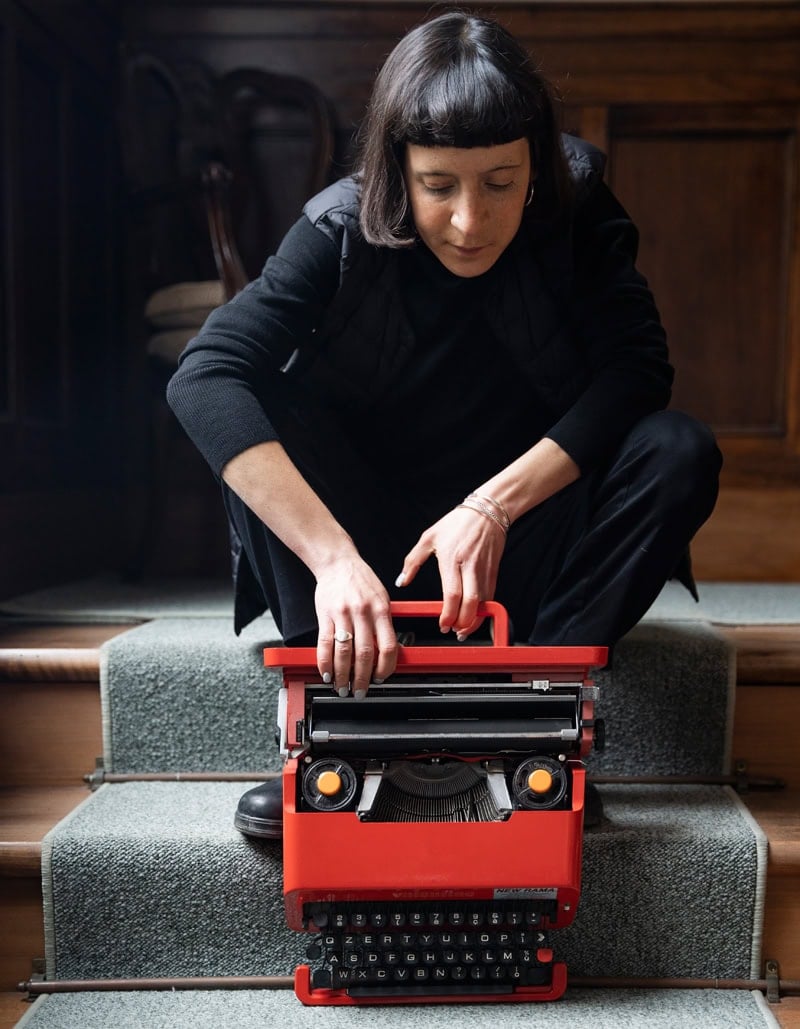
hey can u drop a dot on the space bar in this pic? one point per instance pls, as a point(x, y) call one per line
point(432, 990)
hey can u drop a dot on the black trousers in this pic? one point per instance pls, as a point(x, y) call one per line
point(581, 568)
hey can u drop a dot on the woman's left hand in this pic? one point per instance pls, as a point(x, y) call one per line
point(468, 547)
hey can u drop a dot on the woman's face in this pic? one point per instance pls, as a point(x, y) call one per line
point(467, 204)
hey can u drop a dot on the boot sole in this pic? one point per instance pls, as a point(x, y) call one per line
point(263, 828)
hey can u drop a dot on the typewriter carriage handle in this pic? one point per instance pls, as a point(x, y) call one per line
point(433, 608)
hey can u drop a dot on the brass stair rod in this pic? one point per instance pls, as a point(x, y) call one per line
point(217, 982)
point(787, 987)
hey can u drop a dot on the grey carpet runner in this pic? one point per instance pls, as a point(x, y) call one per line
point(184, 694)
point(268, 1009)
point(151, 879)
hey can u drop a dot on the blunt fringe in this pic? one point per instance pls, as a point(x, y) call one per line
point(459, 80)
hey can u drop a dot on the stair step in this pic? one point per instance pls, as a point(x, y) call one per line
point(221, 909)
point(766, 655)
point(254, 1009)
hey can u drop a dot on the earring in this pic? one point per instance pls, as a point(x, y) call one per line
point(530, 196)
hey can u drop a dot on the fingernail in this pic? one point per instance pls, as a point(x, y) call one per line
point(400, 580)
point(378, 682)
point(326, 677)
point(343, 691)
point(446, 628)
point(359, 694)
point(460, 636)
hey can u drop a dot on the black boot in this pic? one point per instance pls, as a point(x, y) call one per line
point(592, 807)
point(260, 811)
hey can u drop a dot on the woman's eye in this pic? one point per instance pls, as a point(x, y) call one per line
point(436, 189)
point(500, 186)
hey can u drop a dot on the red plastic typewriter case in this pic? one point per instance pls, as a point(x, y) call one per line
point(433, 831)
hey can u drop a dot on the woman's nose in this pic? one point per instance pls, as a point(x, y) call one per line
point(468, 213)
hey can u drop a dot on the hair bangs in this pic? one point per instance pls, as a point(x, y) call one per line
point(464, 107)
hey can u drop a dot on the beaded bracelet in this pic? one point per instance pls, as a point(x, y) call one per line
point(472, 505)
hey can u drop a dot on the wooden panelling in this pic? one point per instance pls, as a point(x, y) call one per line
point(715, 205)
point(61, 341)
point(39, 194)
point(5, 242)
point(697, 104)
point(752, 535)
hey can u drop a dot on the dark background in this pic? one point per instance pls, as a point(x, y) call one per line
point(696, 104)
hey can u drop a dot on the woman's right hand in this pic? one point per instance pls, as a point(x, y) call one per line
point(351, 601)
point(349, 598)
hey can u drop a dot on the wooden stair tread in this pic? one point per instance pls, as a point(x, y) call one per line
point(27, 814)
point(35, 652)
point(765, 653)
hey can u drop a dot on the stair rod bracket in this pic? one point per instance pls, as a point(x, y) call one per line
point(94, 780)
point(772, 974)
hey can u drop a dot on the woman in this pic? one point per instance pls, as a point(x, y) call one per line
point(450, 357)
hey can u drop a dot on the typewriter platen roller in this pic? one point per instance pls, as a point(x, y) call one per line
point(433, 830)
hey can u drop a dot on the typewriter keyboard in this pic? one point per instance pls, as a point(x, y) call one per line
point(427, 950)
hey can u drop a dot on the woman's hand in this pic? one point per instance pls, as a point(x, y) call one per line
point(468, 547)
point(357, 642)
point(350, 599)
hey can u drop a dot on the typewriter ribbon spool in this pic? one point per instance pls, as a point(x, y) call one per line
point(467, 758)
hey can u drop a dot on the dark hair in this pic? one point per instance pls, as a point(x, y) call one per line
point(456, 81)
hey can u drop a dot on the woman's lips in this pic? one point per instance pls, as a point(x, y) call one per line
point(468, 251)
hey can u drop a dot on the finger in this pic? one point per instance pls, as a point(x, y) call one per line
point(470, 598)
point(342, 659)
point(414, 560)
point(363, 657)
point(325, 652)
point(451, 598)
point(388, 649)
point(486, 592)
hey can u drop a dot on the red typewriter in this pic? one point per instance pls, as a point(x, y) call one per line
point(433, 831)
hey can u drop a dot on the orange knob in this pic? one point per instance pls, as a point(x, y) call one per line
point(329, 783)
point(540, 780)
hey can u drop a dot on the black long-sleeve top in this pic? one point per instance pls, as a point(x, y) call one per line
point(461, 409)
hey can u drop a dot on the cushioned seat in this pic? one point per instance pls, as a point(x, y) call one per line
point(184, 304)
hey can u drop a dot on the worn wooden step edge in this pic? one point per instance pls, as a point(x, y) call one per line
point(27, 813)
point(31, 652)
point(765, 653)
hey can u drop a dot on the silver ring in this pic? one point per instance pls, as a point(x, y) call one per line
point(342, 636)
